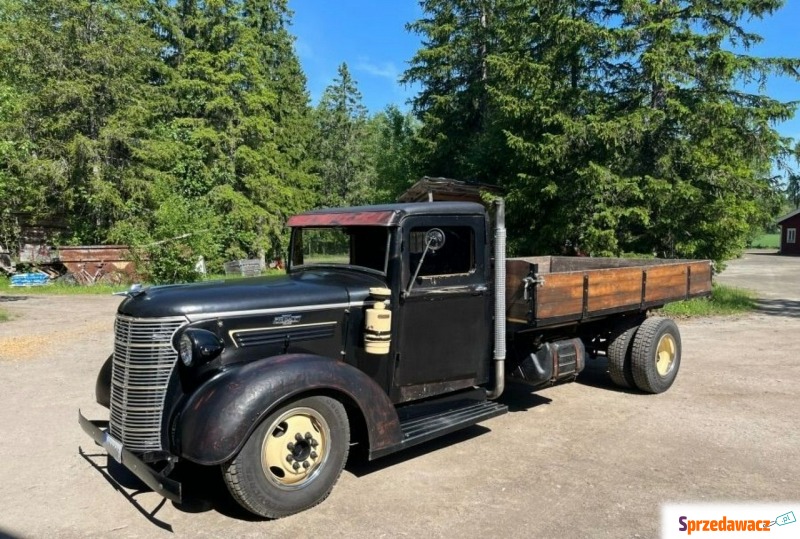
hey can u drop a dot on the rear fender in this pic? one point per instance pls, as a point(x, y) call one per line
point(219, 416)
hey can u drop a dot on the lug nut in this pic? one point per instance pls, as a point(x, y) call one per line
point(313, 455)
point(288, 458)
point(298, 437)
point(308, 436)
point(290, 446)
point(296, 465)
point(313, 443)
point(306, 465)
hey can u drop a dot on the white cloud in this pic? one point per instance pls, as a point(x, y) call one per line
point(386, 70)
point(303, 49)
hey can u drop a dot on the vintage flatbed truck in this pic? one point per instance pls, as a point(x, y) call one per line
point(390, 328)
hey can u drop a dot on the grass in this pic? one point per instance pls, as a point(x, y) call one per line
point(59, 289)
point(4, 316)
point(767, 241)
point(725, 300)
point(62, 289)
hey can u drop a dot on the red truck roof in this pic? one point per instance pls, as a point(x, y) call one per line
point(382, 215)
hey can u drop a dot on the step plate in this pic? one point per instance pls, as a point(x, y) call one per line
point(421, 429)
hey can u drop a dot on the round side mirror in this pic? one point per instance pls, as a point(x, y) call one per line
point(434, 239)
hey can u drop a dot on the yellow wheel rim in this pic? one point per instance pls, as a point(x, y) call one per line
point(295, 448)
point(665, 354)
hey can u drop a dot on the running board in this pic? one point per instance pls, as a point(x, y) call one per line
point(418, 430)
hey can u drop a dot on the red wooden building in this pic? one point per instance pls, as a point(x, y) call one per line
point(789, 226)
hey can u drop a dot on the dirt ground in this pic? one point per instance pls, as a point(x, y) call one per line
point(576, 460)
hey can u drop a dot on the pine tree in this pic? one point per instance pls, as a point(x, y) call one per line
point(21, 194)
point(705, 140)
point(346, 174)
point(294, 130)
point(78, 73)
point(235, 136)
point(793, 190)
point(453, 69)
point(613, 126)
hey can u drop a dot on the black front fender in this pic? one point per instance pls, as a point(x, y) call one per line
point(102, 388)
point(219, 416)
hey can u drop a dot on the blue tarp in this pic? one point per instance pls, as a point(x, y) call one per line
point(29, 279)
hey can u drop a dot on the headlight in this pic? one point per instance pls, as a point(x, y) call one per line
point(186, 349)
point(199, 345)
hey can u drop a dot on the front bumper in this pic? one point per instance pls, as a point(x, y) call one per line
point(158, 482)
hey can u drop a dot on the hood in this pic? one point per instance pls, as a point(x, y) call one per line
point(199, 300)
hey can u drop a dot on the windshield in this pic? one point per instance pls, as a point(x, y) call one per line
point(362, 246)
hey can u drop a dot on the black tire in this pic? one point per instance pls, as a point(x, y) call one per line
point(619, 358)
point(263, 478)
point(656, 355)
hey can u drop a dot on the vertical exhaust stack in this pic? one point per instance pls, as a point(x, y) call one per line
point(499, 301)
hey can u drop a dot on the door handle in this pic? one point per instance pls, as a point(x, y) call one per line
point(479, 290)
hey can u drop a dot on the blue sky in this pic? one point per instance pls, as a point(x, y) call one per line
point(370, 36)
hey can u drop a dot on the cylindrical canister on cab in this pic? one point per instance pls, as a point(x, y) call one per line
point(378, 323)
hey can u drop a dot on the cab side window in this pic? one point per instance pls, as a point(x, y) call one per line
point(455, 257)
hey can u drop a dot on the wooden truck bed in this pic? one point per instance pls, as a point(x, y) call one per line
point(564, 289)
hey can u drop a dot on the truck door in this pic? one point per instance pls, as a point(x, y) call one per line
point(445, 318)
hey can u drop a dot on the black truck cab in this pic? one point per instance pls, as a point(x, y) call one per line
point(441, 323)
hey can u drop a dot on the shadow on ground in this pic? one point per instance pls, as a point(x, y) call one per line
point(12, 298)
point(521, 398)
point(779, 307)
point(359, 466)
point(122, 480)
point(595, 374)
point(202, 486)
point(204, 489)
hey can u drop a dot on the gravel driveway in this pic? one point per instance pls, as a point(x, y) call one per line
point(576, 460)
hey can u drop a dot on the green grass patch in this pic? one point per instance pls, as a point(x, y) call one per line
point(766, 241)
point(725, 300)
point(4, 316)
point(63, 289)
point(59, 289)
point(223, 277)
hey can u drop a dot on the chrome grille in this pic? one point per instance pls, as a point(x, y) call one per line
point(142, 365)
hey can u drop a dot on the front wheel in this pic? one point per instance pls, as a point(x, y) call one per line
point(656, 355)
point(292, 460)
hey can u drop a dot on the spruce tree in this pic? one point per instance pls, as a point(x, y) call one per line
point(453, 69)
point(702, 122)
point(236, 132)
point(346, 173)
point(78, 73)
point(613, 126)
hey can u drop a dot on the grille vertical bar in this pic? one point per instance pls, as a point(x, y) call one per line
point(141, 369)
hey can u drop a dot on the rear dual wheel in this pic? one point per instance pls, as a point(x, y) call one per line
point(292, 460)
point(619, 358)
point(656, 355)
point(647, 357)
